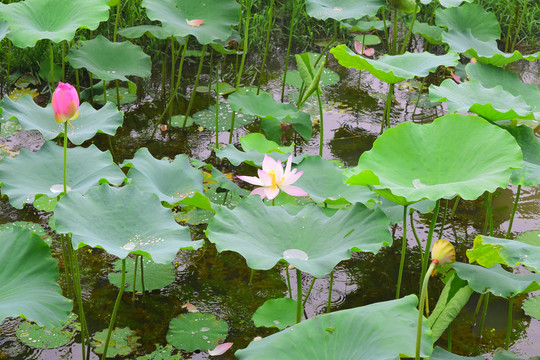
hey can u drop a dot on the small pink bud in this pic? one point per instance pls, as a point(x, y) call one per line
point(65, 102)
point(194, 22)
point(190, 307)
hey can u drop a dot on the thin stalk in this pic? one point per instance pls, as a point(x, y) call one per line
point(163, 71)
point(430, 239)
point(268, 29)
point(449, 336)
point(516, 33)
point(417, 238)
point(478, 305)
point(295, 10)
point(330, 292)
point(403, 251)
point(115, 310)
point(362, 53)
point(386, 36)
point(66, 263)
point(298, 296)
point(176, 86)
point(387, 107)
point(194, 92)
point(423, 292)
point(512, 25)
point(445, 211)
point(334, 38)
point(484, 312)
point(104, 92)
point(419, 94)
point(489, 213)
point(406, 40)
point(63, 61)
point(142, 275)
point(78, 294)
point(308, 292)
point(51, 55)
point(288, 281)
point(509, 324)
point(173, 64)
point(8, 66)
point(252, 273)
point(65, 155)
point(321, 124)
point(118, 8)
point(91, 86)
point(456, 202)
point(514, 208)
point(117, 93)
point(394, 41)
point(210, 75)
point(136, 262)
point(217, 105)
point(77, 81)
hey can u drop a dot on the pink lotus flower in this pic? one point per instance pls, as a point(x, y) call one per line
point(65, 103)
point(272, 179)
point(194, 22)
point(362, 49)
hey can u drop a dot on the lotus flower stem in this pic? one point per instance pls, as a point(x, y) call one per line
point(454, 208)
point(78, 293)
point(270, 22)
point(142, 277)
point(416, 238)
point(429, 240)
point(445, 211)
point(423, 292)
point(407, 36)
point(217, 104)
point(419, 94)
point(298, 296)
point(194, 92)
point(483, 318)
point(51, 55)
point(509, 324)
point(288, 280)
point(293, 18)
point(115, 310)
point(136, 261)
point(330, 292)
point(308, 292)
point(403, 251)
point(118, 8)
point(513, 213)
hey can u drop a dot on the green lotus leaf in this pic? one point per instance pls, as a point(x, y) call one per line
point(492, 104)
point(41, 337)
point(126, 96)
point(4, 29)
point(323, 181)
point(272, 113)
point(473, 30)
point(394, 211)
point(496, 280)
point(9, 128)
point(525, 250)
point(57, 20)
point(441, 354)
point(161, 353)
point(29, 280)
point(491, 76)
point(278, 313)
point(251, 157)
point(86, 167)
point(114, 220)
point(440, 160)
point(136, 32)
point(156, 276)
point(529, 174)
point(501, 354)
point(531, 306)
point(123, 342)
point(394, 69)
point(90, 121)
point(306, 238)
point(342, 9)
point(381, 331)
point(328, 77)
point(368, 39)
point(207, 118)
point(45, 70)
point(220, 180)
point(258, 142)
point(362, 26)
point(218, 15)
point(447, 3)
point(196, 331)
point(110, 60)
point(172, 181)
point(33, 227)
point(433, 34)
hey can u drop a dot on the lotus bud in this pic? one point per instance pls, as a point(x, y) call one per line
point(65, 103)
point(443, 252)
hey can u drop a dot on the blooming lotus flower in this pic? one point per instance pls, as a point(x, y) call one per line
point(194, 22)
point(272, 179)
point(65, 103)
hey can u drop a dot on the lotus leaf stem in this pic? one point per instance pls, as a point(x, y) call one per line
point(395, 37)
point(142, 276)
point(445, 211)
point(330, 292)
point(477, 310)
point(51, 55)
point(386, 36)
point(173, 64)
point(484, 313)
point(104, 92)
point(298, 296)
point(407, 36)
point(419, 94)
point(509, 324)
point(423, 293)
point(63, 61)
point(416, 238)
point(321, 126)
point(135, 262)
point(308, 292)
point(8, 66)
point(514, 208)
point(429, 240)
point(66, 263)
point(293, 18)
point(78, 293)
point(115, 310)
point(194, 92)
point(454, 208)
point(267, 43)
point(449, 337)
point(118, 8)
point(288, 281)
point(251, 275)
point(217, 105)
point(403, 251)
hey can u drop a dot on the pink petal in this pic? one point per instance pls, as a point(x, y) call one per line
point(259, 191)
point(194, 22)
point(269, 163)
point(190, 307)
point(265, 178)
point(252, 180)
point(369, 51)
point(220, 349)
point(279, 172)
point(294, 190)
point(288, 167)
point(456, 78)
point(358, 47)
point(65, 102)
point(271, 193)
point(291, 179)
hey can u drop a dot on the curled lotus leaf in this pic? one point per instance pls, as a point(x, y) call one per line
point(342, 9)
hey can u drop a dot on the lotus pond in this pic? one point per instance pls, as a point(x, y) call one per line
point(269, 179)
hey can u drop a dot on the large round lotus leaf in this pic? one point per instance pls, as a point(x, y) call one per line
point(136, 32)
point(156, 276)
point(162, 353)
point(196, 331)
point(110, 60)
point(218, 15)
point(447, 3)
point(381, 331)
point(328, 77)
point(342, 9)
point(496, 280)
point(525, 250)
point(90, 121)
point(207, 118)
point(122, 221)
point(4, 29)
point(31, 174)
point(257, 141)
point(41, 337)
point(33, 227)
point(29, 277)
point(323, 180)
point(172, 181)
point(433, 34)
point(272, 113)
point(529, 174)
point(306, 238)
point(441, 354)
point(278, 313)
point(396, 68)
point(491, 76)
point(57, 20)
point(455, 155)
point(492, 104)
point(251, 157)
